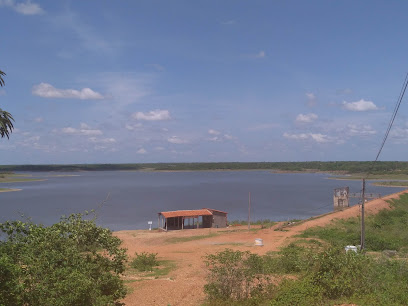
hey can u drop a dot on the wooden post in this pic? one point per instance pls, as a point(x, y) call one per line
point(158, 221)
point(182, 223)
point(249, 211)
point(166, 223)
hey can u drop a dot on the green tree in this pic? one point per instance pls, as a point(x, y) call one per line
point(6, 120)
point(73, 262)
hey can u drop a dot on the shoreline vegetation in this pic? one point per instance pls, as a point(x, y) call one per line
point(343, 168)
point(9, 177)
point(388, 173)
point(9, 189)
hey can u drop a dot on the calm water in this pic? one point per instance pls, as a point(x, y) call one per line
point(136, 197)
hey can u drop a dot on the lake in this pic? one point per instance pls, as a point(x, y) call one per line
point(134, 198)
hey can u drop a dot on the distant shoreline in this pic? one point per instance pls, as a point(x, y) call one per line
point(9, 189)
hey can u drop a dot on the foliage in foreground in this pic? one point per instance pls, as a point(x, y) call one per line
point(73, 262)
point(144, 261)
point(305, 276)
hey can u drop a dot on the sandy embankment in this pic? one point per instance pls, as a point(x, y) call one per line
point(184, 285)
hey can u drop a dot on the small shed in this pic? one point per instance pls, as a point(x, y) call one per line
point(188, 219)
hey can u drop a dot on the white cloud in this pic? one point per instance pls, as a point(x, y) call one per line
point(38, 119)
point(176, 140)
point(25, 8)
point(155, 115)
point(84, 130)
point(310, 95)
point(218, 137)
point(102, 140)
point(260, 54)
point(46, 90)
point(213, 132)
point(141, 151)
point(132, 127)
point(307, 118)
point(360, 130)
point(359, 106)
point(317, 137)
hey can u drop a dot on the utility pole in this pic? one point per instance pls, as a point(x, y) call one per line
point(249, 211)
point(362, 240)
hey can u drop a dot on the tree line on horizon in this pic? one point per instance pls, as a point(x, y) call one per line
point(343, 167)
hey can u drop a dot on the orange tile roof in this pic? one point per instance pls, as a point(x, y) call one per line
point(186, 213)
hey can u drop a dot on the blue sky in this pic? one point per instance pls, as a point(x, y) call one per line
point(202, 81)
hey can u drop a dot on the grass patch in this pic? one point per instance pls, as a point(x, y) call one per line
point(164, 268)
point(383, 230)
point(190, 238)
point(264, 223)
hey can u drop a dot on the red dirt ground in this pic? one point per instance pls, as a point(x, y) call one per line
point(184, 285)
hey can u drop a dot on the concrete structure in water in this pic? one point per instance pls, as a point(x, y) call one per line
point(341, 198)
point(188, 219)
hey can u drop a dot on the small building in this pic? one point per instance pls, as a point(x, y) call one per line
point(188, 219)
point(341, 198)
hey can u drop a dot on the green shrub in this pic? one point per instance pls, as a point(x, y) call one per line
point(73, 262)
point(234, 275)
point(339, 273)
point(297, 292)
point(144, 261)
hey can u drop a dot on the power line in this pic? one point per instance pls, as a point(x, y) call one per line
point(394, 114)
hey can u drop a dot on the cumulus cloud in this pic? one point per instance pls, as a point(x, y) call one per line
point(84, 130)
point(154, 115)
point(213, 132)
point(217, 136)
point(317, 137)
point(306, 118)
point(25, 8)
point(46, 90)
point(141, 151)
point(38, 119)
point(360, 130)
point(176, 140)
point(359, 106)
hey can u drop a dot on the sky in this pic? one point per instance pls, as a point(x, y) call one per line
point(202, 81)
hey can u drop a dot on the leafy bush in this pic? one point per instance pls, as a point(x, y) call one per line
point(144, 261)
point(73, 262)
point(234, 275)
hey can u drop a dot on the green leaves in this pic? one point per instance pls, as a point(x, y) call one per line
point(6, 120)
point(73, 262)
